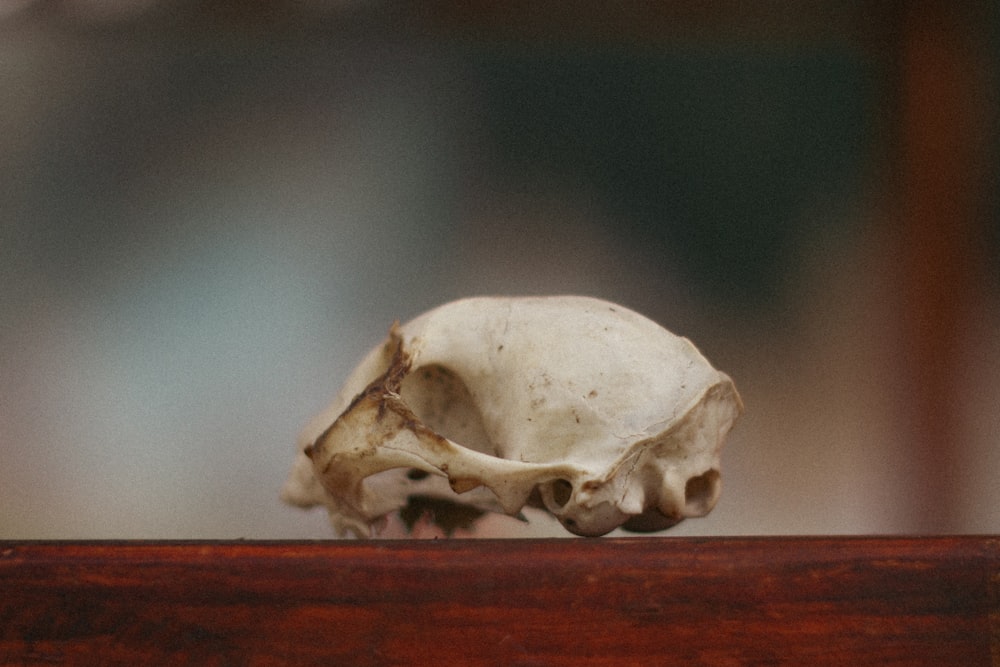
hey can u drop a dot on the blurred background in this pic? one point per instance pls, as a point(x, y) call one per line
point(210, 211)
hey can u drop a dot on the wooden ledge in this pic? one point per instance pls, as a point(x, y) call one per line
point(714, 601)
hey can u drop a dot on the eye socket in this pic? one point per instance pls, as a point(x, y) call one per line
point(441, 400)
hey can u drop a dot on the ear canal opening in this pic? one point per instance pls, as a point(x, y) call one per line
point(555, 494)
point(701, 493)
point(562, 491)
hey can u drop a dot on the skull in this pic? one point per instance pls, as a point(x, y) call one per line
point(571, 404)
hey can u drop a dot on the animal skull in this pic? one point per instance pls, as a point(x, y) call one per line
point(576, 405)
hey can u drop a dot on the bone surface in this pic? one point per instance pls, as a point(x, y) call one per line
point(575, 405)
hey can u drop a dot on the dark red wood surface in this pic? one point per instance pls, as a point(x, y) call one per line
point(742, 601)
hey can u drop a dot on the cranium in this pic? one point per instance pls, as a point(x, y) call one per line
point(576, 405)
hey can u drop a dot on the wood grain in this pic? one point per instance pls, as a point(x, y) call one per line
point(744, 601)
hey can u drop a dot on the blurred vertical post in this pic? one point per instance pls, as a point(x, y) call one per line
point(944, 115)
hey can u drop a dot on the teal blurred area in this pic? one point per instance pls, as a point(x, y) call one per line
point(207, 216)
